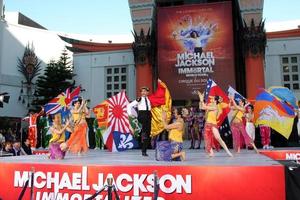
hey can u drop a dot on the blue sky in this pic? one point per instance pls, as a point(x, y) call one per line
point(112, 16)
point(281, 10)
point(77, 16)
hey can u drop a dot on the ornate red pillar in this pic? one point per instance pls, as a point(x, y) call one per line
point(142, 56)
point(144, 77)
point(143, 18)
point(255, 43)
point(254, 74)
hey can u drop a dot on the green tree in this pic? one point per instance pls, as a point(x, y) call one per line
point(57, 77)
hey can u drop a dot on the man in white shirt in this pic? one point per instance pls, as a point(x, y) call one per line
point(144, 117)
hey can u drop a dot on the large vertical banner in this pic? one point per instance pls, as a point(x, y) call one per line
point(195, 42)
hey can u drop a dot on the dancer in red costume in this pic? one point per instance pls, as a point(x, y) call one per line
point(32, 129)
point(211, 129)
point(238, 128)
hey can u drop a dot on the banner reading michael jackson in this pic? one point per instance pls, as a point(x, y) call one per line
point(195, 42)
point(74, 182)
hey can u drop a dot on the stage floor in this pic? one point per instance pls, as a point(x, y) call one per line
point(134, 158)
point(199, 176)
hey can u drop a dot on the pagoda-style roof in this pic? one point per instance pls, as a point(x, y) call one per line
point(284, 34)
point(80, 46)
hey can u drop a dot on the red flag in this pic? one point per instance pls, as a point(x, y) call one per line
point(158, 97)
point(71, 96)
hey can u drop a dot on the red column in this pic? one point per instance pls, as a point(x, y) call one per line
point(254, 74)
point(144, 77)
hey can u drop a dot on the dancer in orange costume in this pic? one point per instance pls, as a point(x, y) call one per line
point(77, 142)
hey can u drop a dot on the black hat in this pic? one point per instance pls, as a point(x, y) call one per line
point(145, 88)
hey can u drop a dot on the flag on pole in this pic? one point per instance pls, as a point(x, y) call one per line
point(237, 96)
point(272, 112)
point(62, 101)
point(112, 116)
point(160, 101)
point(212, 89)
point(284, 94)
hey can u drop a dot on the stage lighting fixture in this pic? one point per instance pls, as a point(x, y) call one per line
point(4, 98)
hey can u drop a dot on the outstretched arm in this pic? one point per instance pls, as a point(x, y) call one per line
point(41, 112)
point(83, 104)
point(180, 37)
point(130, 106)
point(175, 125)
point(60, 131)
point(167, 126)
point(207, 107)
point(86, 110)
point(204, 106)
point(235, 106)
point(203, 37)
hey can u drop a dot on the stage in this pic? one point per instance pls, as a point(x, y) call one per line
point(245, 176)
point(194, 157)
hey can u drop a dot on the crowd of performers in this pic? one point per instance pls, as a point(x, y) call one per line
point(60, 142)
point(199, 122)
point(203, 122)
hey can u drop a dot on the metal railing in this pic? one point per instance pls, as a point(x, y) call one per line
point(112, 188)
point(31, 180)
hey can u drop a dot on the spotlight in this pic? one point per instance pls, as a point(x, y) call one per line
point(4, 98)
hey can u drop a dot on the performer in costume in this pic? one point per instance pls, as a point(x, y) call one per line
point(98, 135)
point(237, 126)
point(144, 117)
point(197, 125)
point(210, 128)
point(32, 129)
point(77, 142)
point(298, 123)
point(58, 137)
point(201, 122)
point(175, 130)
point(65, 115)
point(265, 133)
point(250, 128)
point(190, 119)
point(44, 130)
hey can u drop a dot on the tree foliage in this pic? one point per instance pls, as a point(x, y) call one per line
point(57, 77)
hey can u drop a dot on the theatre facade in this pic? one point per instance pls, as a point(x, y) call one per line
point(186, 42)
point(183, 43)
